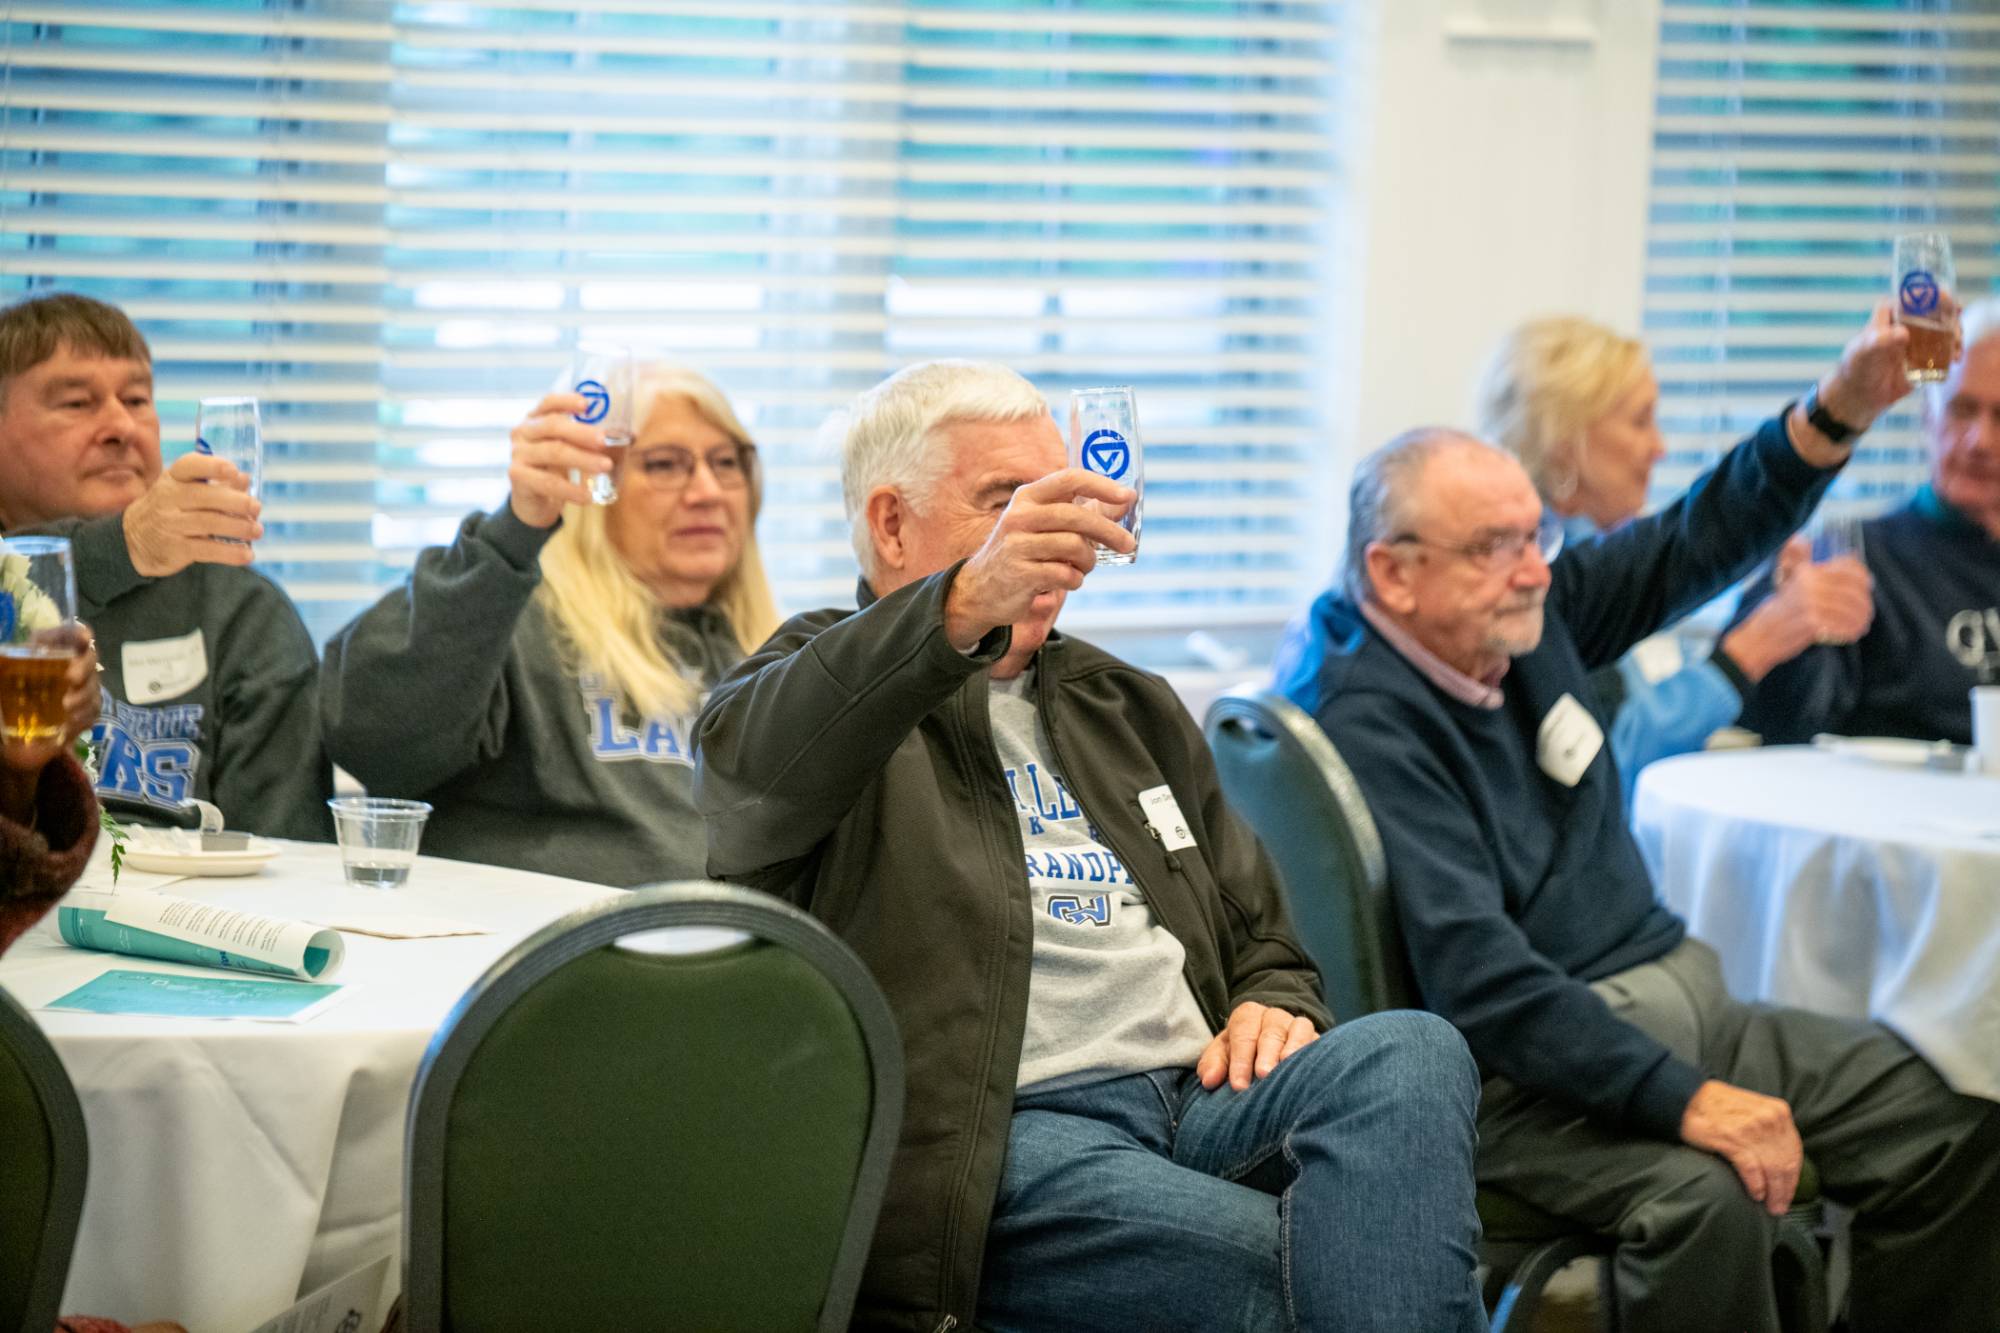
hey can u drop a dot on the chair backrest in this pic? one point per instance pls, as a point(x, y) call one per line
point(612, 1137)
point(1284, 777)
point(44, 1160)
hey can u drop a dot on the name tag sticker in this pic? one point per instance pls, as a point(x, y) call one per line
point(1163, 816)
point(1658, 657)
point(163, 668)
point(1568, 740)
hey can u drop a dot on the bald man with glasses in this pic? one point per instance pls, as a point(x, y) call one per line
point(1624, 1088)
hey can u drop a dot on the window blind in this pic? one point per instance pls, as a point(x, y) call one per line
point(392, 221)
point(1793, 142)
point(218, 171)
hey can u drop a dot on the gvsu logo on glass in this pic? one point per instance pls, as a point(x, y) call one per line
point(596, 401)
point(1918, 292)
point(1106, 453)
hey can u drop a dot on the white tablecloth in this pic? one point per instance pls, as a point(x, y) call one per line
point(1844, 886)
point(235, 1167)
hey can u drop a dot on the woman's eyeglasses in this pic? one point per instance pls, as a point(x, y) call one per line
point(671, 468)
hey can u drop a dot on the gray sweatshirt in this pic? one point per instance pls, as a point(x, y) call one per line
point(451, 690)
point(1108, 994)
point(208, 688)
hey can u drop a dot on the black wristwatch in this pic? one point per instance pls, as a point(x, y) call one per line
point(1824, 421)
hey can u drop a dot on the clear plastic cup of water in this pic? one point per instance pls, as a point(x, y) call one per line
point(378, 838)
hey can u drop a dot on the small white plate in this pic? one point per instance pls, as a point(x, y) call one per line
point(1896, 750)
point(167, 858)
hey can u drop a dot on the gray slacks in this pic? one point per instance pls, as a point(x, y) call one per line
point(1919, 1164)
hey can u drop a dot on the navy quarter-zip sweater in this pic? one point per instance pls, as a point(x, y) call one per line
point(1513, 891)
point(1936, 628)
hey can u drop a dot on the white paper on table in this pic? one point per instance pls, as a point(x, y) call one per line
point(390, 926)
point(97, 879)
point(351, 1304)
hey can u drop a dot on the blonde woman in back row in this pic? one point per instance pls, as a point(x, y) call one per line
point(536, 680)
point(1578, 404)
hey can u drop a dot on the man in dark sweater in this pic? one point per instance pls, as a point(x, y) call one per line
point(1936, 565)
point(1624, 1087)
point(208, 670)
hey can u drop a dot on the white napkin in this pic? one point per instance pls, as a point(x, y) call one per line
point(393, 926)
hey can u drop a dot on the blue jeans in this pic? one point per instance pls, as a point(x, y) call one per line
point(1336, 1193)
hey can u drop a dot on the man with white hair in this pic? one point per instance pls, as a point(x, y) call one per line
point(1625, 1089)
point(1936, 566)
point(1125, 1110)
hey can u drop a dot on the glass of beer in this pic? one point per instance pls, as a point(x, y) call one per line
point(37, 643)
point(230, 428)
point(1926, 304)
point(602, 374)
point(1104, 438)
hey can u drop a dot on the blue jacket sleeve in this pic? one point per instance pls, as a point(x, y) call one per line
point(1615, 590)
point(1523, 1016)
point(1675, 715)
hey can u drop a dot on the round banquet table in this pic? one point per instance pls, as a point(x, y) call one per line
point(237, 1166)
point(1842, 885)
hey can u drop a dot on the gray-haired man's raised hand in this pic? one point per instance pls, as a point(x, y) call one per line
point(1043, 542)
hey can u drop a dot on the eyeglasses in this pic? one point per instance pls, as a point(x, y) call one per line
point(671, 468)
point(1502, 551)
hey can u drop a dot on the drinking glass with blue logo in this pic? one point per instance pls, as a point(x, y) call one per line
point(601, 374)
point(1104, 438)
point(1925, 283)
point(231, 428)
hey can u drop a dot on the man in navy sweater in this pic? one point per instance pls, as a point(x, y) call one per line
point(1936, 564)
point(1624, 1087)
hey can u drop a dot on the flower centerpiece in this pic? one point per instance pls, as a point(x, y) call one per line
point(25, 610)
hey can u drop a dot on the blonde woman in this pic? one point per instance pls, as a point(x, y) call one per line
point(1577, 403)
point(536, 680)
